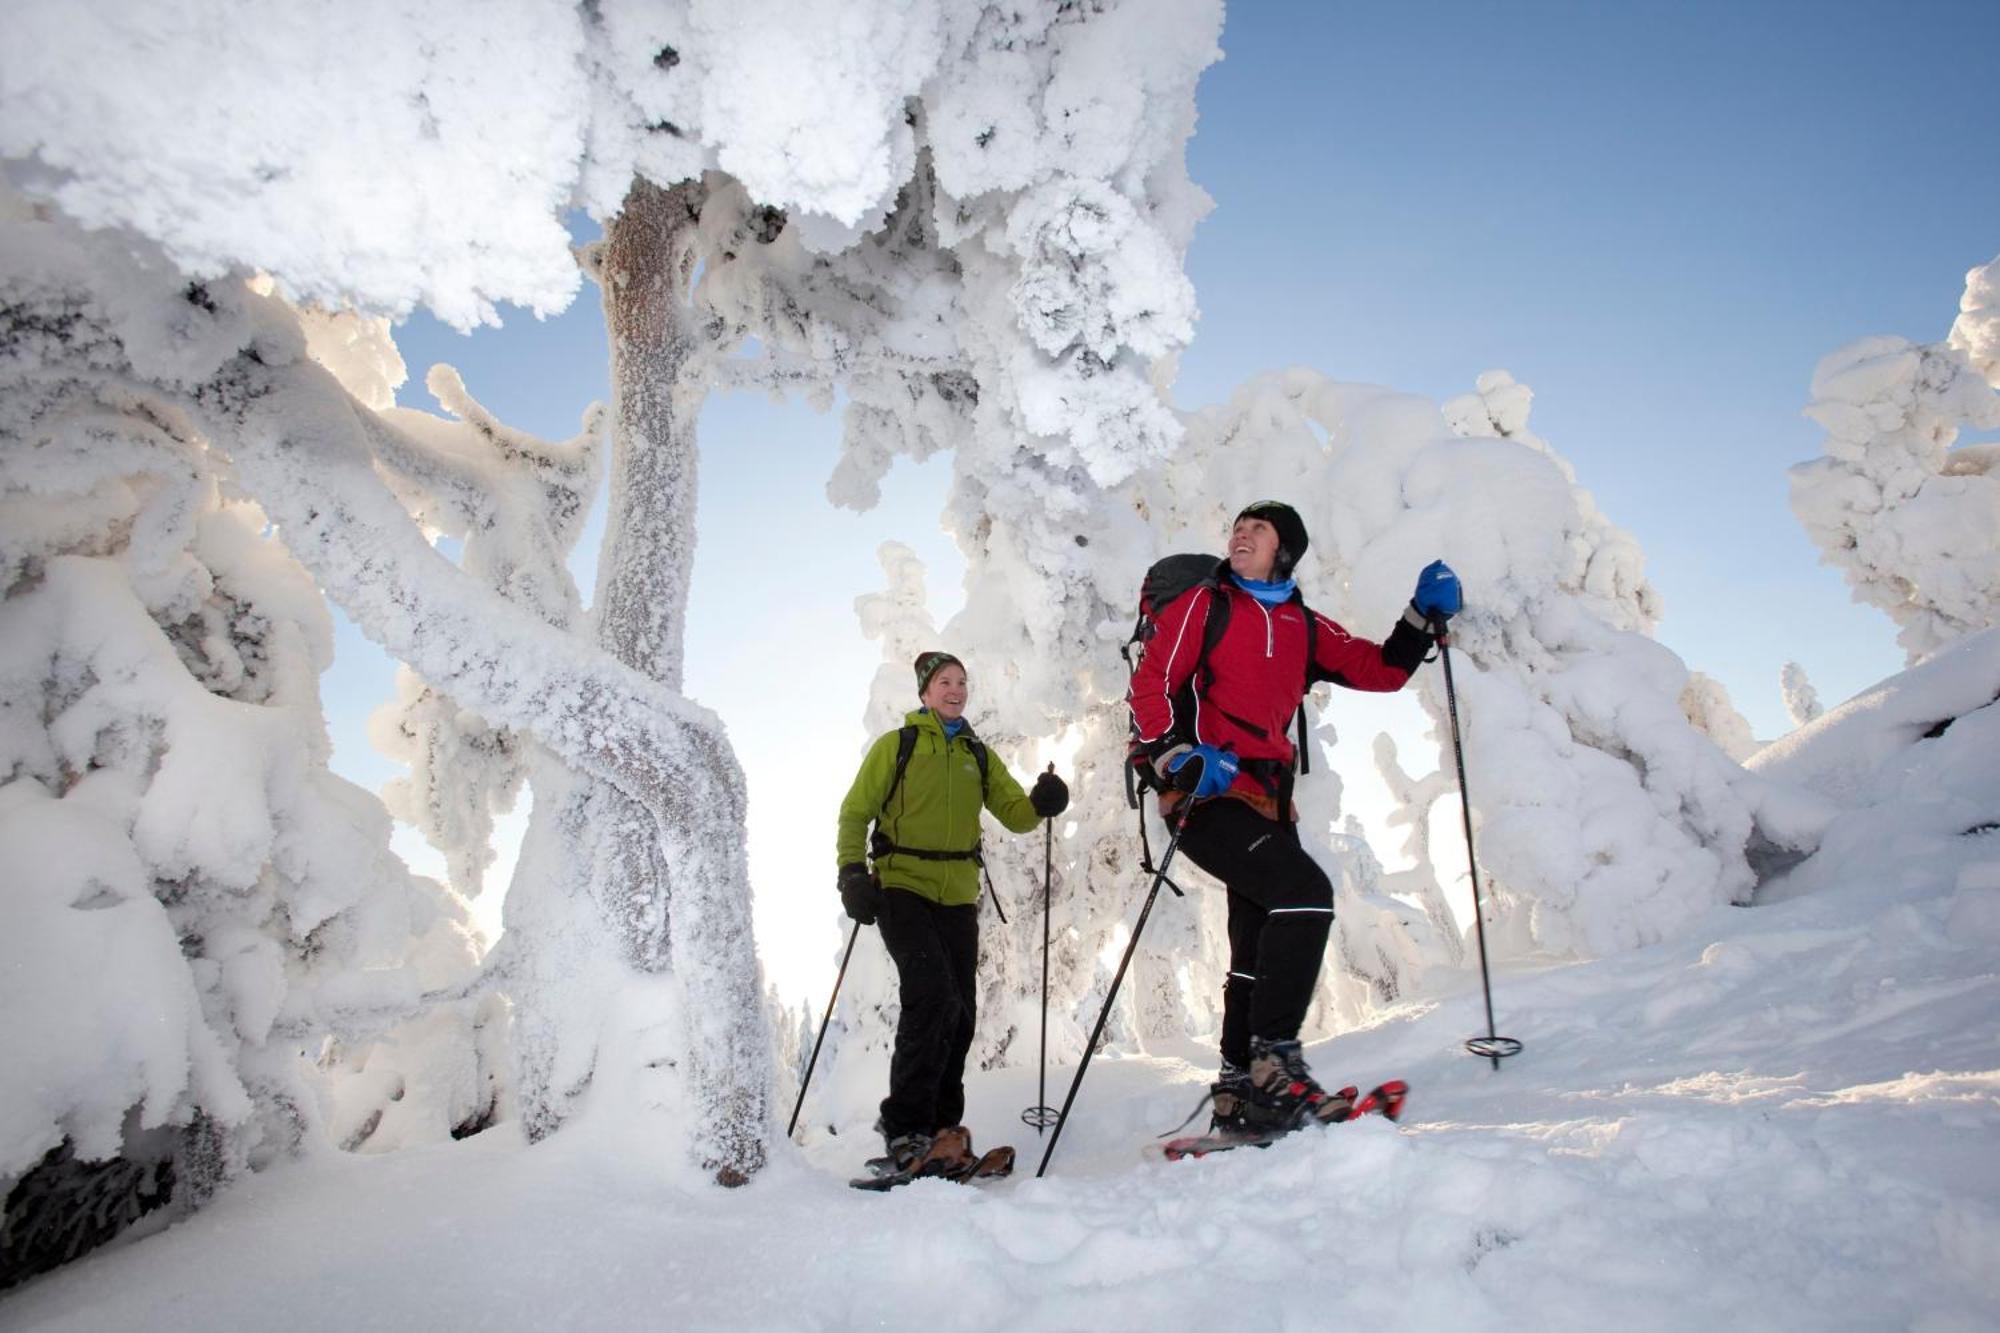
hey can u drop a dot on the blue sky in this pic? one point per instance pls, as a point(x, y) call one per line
point(1659, 216)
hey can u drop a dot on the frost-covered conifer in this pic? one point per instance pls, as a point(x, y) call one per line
point(1802, 703)
point(205, 932)
point(1912, 522)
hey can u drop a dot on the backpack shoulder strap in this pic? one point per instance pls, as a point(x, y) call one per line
point(1215, 626)
point(979, 753)
point(1218, 617)
point(1312, 657)
point(906, 745)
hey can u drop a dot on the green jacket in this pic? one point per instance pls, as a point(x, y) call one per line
point(935, 808)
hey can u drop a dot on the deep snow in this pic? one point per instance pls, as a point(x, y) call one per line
point(1784, 1121)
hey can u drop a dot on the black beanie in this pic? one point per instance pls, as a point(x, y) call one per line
point(1291, 533)
point(929, 664)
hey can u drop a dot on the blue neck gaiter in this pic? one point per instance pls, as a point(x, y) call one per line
point(1265, 591)
point(951, 728)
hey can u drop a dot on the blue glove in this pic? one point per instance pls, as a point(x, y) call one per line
point(1438, 595)
point(1201, 770)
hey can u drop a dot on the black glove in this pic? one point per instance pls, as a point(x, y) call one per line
point(860, 893)
point(1050, 796)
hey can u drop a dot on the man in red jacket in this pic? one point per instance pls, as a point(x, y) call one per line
point(1221, 740)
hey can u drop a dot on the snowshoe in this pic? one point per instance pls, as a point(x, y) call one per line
point(1385, 1100)
point(950, 1157)
point(1282, 1093)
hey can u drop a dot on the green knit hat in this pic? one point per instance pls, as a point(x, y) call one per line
point(929, 664)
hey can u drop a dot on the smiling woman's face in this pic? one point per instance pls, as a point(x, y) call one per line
point(946, 693)
point(1253, 548)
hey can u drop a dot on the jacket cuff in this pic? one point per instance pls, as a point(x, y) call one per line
point(1415, 619)
point(1409, 643)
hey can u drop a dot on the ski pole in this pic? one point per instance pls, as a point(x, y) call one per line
point(1041, 1115)
point(1104, 1014)
point(806, 1082)
point(1490, 1046)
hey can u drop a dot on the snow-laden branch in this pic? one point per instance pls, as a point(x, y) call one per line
point(517, 503)
point(298, 445)
point(1415, 799)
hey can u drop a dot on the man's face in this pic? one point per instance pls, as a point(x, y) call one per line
point(1253, 548)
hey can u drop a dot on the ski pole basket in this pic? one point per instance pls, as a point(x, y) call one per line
point(1493, 1048)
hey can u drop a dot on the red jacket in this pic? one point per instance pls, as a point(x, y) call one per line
point(1257, 673)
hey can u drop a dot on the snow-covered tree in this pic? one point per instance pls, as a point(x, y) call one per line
point(1061, 184)
point(952, 211)
point(1706, 704)
point(1607, 816)
point(1912, 522)
point(1609, 813)
point(205, 932)
point(1802, 703)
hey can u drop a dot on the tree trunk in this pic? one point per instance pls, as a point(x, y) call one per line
point(609, 865)
point(657, 392)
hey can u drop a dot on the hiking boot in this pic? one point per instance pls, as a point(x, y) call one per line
point(949, 1154)
point(1228, 1101)
point(906, 1151)
point(1282, 1092)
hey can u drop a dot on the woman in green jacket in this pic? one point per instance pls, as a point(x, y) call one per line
point(924, 785)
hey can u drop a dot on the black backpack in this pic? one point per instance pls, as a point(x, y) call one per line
point(1169, 578)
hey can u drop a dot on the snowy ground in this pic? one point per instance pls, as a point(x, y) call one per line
point(1789, 1122)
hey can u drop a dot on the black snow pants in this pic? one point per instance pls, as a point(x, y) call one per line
point(936, 952)
point(1280, 912)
